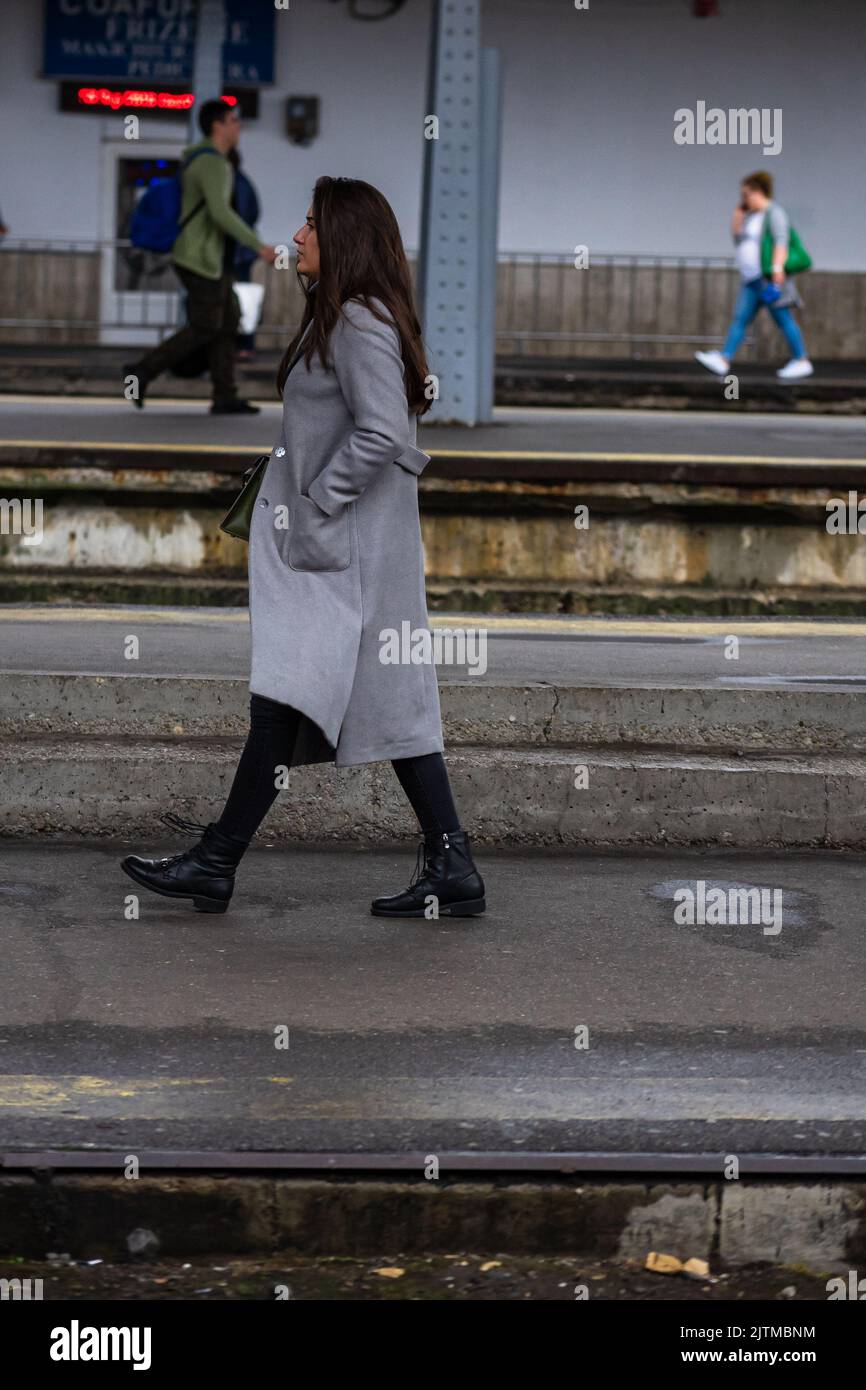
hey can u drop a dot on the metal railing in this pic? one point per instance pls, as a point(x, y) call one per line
point(86, 285)
point(553, 281)
point(101, 288)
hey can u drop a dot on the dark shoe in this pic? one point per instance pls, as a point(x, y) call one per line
point(205, 873)
point(233, 406)
point(447, 873)
point(131, 370)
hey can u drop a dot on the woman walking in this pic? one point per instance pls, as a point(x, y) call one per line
point(755, 214)
point(246, 204)
point(336, 564)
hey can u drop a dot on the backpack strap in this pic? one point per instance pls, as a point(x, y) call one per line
point(208, 149)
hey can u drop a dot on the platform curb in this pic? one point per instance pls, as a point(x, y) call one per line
point(820, 1224)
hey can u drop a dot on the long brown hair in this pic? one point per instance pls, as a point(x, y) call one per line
point(361, 256)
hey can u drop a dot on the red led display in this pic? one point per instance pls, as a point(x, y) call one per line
point(141, 100)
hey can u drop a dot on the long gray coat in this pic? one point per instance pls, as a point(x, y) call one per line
point(336, 561)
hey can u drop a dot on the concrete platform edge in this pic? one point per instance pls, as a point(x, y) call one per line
point(821, 1224)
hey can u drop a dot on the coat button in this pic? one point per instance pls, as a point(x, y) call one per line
point(279, 452)
point(263, 502)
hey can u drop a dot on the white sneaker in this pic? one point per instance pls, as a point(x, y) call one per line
point(794, 370)
point(714, 362)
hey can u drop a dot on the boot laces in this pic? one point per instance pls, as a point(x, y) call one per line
point(172, 860)
point(179, 823)
point(422, 859)
point(420, 864)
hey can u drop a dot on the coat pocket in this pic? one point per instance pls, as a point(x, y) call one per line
point(319, 542)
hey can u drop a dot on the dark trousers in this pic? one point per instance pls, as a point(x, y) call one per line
point(273, 730)
point(213, 315)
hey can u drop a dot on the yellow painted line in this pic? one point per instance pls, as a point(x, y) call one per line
point(118, 615)
point(155, 448)
point(491, 622)
point(525, 455)
point(31, 1091)
point(175, 402)
point(652, 627)
point(610, 456)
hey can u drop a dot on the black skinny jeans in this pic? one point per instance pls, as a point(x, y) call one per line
point(271, 741)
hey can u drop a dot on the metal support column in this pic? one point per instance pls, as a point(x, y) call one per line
point(207, 76)
point(457, 264)
point(491, 144)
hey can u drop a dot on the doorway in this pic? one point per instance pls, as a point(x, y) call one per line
point(140, 298)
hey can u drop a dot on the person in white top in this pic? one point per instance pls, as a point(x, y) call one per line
point(755, 211)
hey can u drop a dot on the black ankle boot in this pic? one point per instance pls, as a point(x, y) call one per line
point(131, 370)
point(205, 873)
point(446, 874)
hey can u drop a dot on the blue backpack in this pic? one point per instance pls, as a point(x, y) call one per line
point(156, 223)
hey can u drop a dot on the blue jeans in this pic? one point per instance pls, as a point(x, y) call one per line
point(747, 306)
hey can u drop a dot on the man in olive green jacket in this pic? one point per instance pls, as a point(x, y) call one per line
point(202, 257)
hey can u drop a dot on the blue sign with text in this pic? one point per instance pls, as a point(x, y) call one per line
point(152, 40)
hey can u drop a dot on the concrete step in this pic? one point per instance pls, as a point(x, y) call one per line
point(172, 588)
point(517, 796)
point(838, 387)
point(779, 718)
point(735, 1223)
point(533, 764)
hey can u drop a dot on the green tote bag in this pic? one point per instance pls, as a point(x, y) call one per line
point(798, 257)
